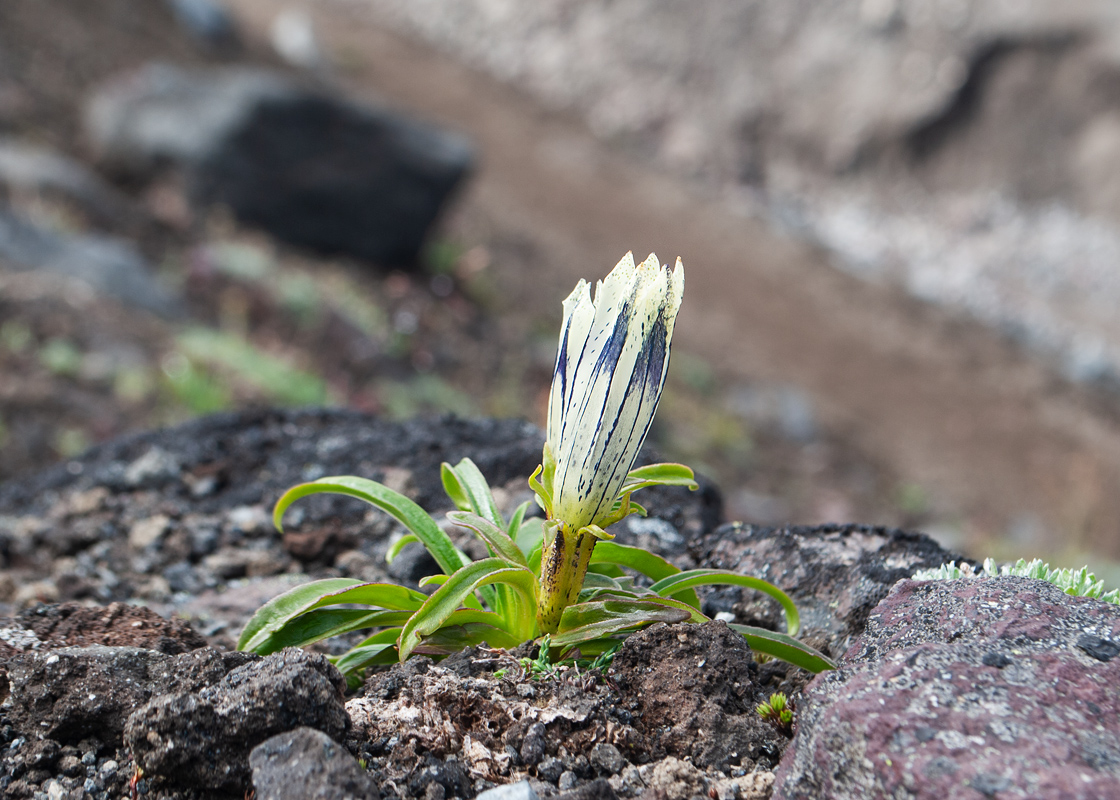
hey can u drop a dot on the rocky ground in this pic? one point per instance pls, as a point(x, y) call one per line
point(984, 687)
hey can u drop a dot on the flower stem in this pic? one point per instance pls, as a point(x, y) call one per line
point(563, 568)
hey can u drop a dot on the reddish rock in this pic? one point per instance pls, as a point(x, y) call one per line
point(981, 688)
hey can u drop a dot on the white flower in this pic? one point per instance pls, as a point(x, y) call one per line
point(610, 369)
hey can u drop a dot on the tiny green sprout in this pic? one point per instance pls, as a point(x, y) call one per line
point(560, 581)
point(1079, 583)
point(778, 711)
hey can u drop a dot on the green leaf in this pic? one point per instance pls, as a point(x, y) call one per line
point(454, 638)
point(455, 490)
point(585, 621)
point(395, 504)
point(323, 623)
point(448, 598)
point(596, 580)
point(476, 490)
point(530, 536)
point(652, 566)
point(367, 655)
point(281, 610)
point(784, 647)
point(514, 526)
point(400, 544)
point(721, 577)
point(496, 538)
point(659, 475)
point(284, 607)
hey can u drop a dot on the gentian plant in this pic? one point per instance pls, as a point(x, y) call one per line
point(558, 580)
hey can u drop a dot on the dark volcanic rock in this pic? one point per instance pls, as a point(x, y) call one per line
point(693, 691)
point(977, 687)
point(74, 692)
point(116, 625)
point(835, 573)
point(311, 168)
point(251, 457)
point(203, 739)
point(306, 763)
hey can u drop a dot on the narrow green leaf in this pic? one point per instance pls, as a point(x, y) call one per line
point(477, 491)
point(514, 526)
point(496, 538)
point(544, 496)
point(605, 568)
point(530, 535)
point(660, 475)
point(448, 598)
point(366, 656)
point(596, 580)
point(649, 564)
point(395, 504)
point(279, 611)
point(453, 487)
point(721, 577)
point(400, 544)
point(585, 621)
point(454, 638)
point(323, 623)
point(784, 647)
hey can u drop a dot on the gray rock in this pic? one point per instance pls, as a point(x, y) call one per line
point(312, 169)
point(606, 758)
point(550, 769)
point(522, 790)
point(532, 747)
point(203, 738)
point(413, 563)
point(111, 267)
point(979, 683)
point(305, 764)
point(597, 789)
point(835, 573)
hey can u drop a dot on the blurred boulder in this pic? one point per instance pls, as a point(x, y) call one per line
point(30, 169)
point(208, 21)
point(111, 267)
point(309, 167)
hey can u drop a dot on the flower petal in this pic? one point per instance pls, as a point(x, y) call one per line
point(610, 370)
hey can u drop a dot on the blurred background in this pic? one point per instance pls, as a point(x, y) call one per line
point(900, 221)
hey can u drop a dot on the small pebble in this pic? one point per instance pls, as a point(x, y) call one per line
point(606, 758)
point(568, 780)
point(550, 769)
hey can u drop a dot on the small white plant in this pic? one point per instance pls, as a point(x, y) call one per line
point(1080, 583)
